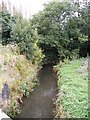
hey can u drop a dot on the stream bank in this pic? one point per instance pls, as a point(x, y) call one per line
point(40, 103)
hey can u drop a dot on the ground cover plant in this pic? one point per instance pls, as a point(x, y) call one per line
point(73, 88)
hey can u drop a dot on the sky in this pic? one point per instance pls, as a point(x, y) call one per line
point(29, 7)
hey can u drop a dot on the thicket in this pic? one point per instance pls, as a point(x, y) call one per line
point(20, 75)
point(27, 40)
point(18, 31)
point(60, 31)
point(63, 26)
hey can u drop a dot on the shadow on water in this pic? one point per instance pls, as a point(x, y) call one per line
point(39, 104)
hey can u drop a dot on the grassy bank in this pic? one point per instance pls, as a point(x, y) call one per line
point(20, 75)
point(72, 100)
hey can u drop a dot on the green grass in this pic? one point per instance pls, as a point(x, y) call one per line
point(74, 87)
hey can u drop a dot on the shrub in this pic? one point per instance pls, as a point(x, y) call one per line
point(27, 40)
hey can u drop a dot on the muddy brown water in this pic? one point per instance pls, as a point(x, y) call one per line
point(39, 104)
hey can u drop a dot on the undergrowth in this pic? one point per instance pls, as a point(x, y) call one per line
point(20, 75)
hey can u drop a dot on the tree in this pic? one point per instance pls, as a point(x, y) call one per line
point(27, 40)
point(59, 26)
point(7, 21)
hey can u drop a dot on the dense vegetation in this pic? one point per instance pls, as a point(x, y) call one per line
point(20, 58)
point(63, 25)
point(20, 75)
point(60, 31)
point(16, 30)
point(73, 88)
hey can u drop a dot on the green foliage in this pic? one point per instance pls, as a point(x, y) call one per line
point(7, 21)
point(37, 52)
point(24, 89)
point(73, 88)
point(59, 26)
point(17, 30)
point(13, 110)
point(26, 38)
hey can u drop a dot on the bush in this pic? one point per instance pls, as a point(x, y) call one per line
point(27, 40)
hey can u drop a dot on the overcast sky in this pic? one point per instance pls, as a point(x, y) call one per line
point(28, 6)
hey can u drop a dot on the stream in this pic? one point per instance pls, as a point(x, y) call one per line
point(39, 104)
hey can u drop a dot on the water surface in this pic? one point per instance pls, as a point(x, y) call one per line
point(39, 104)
